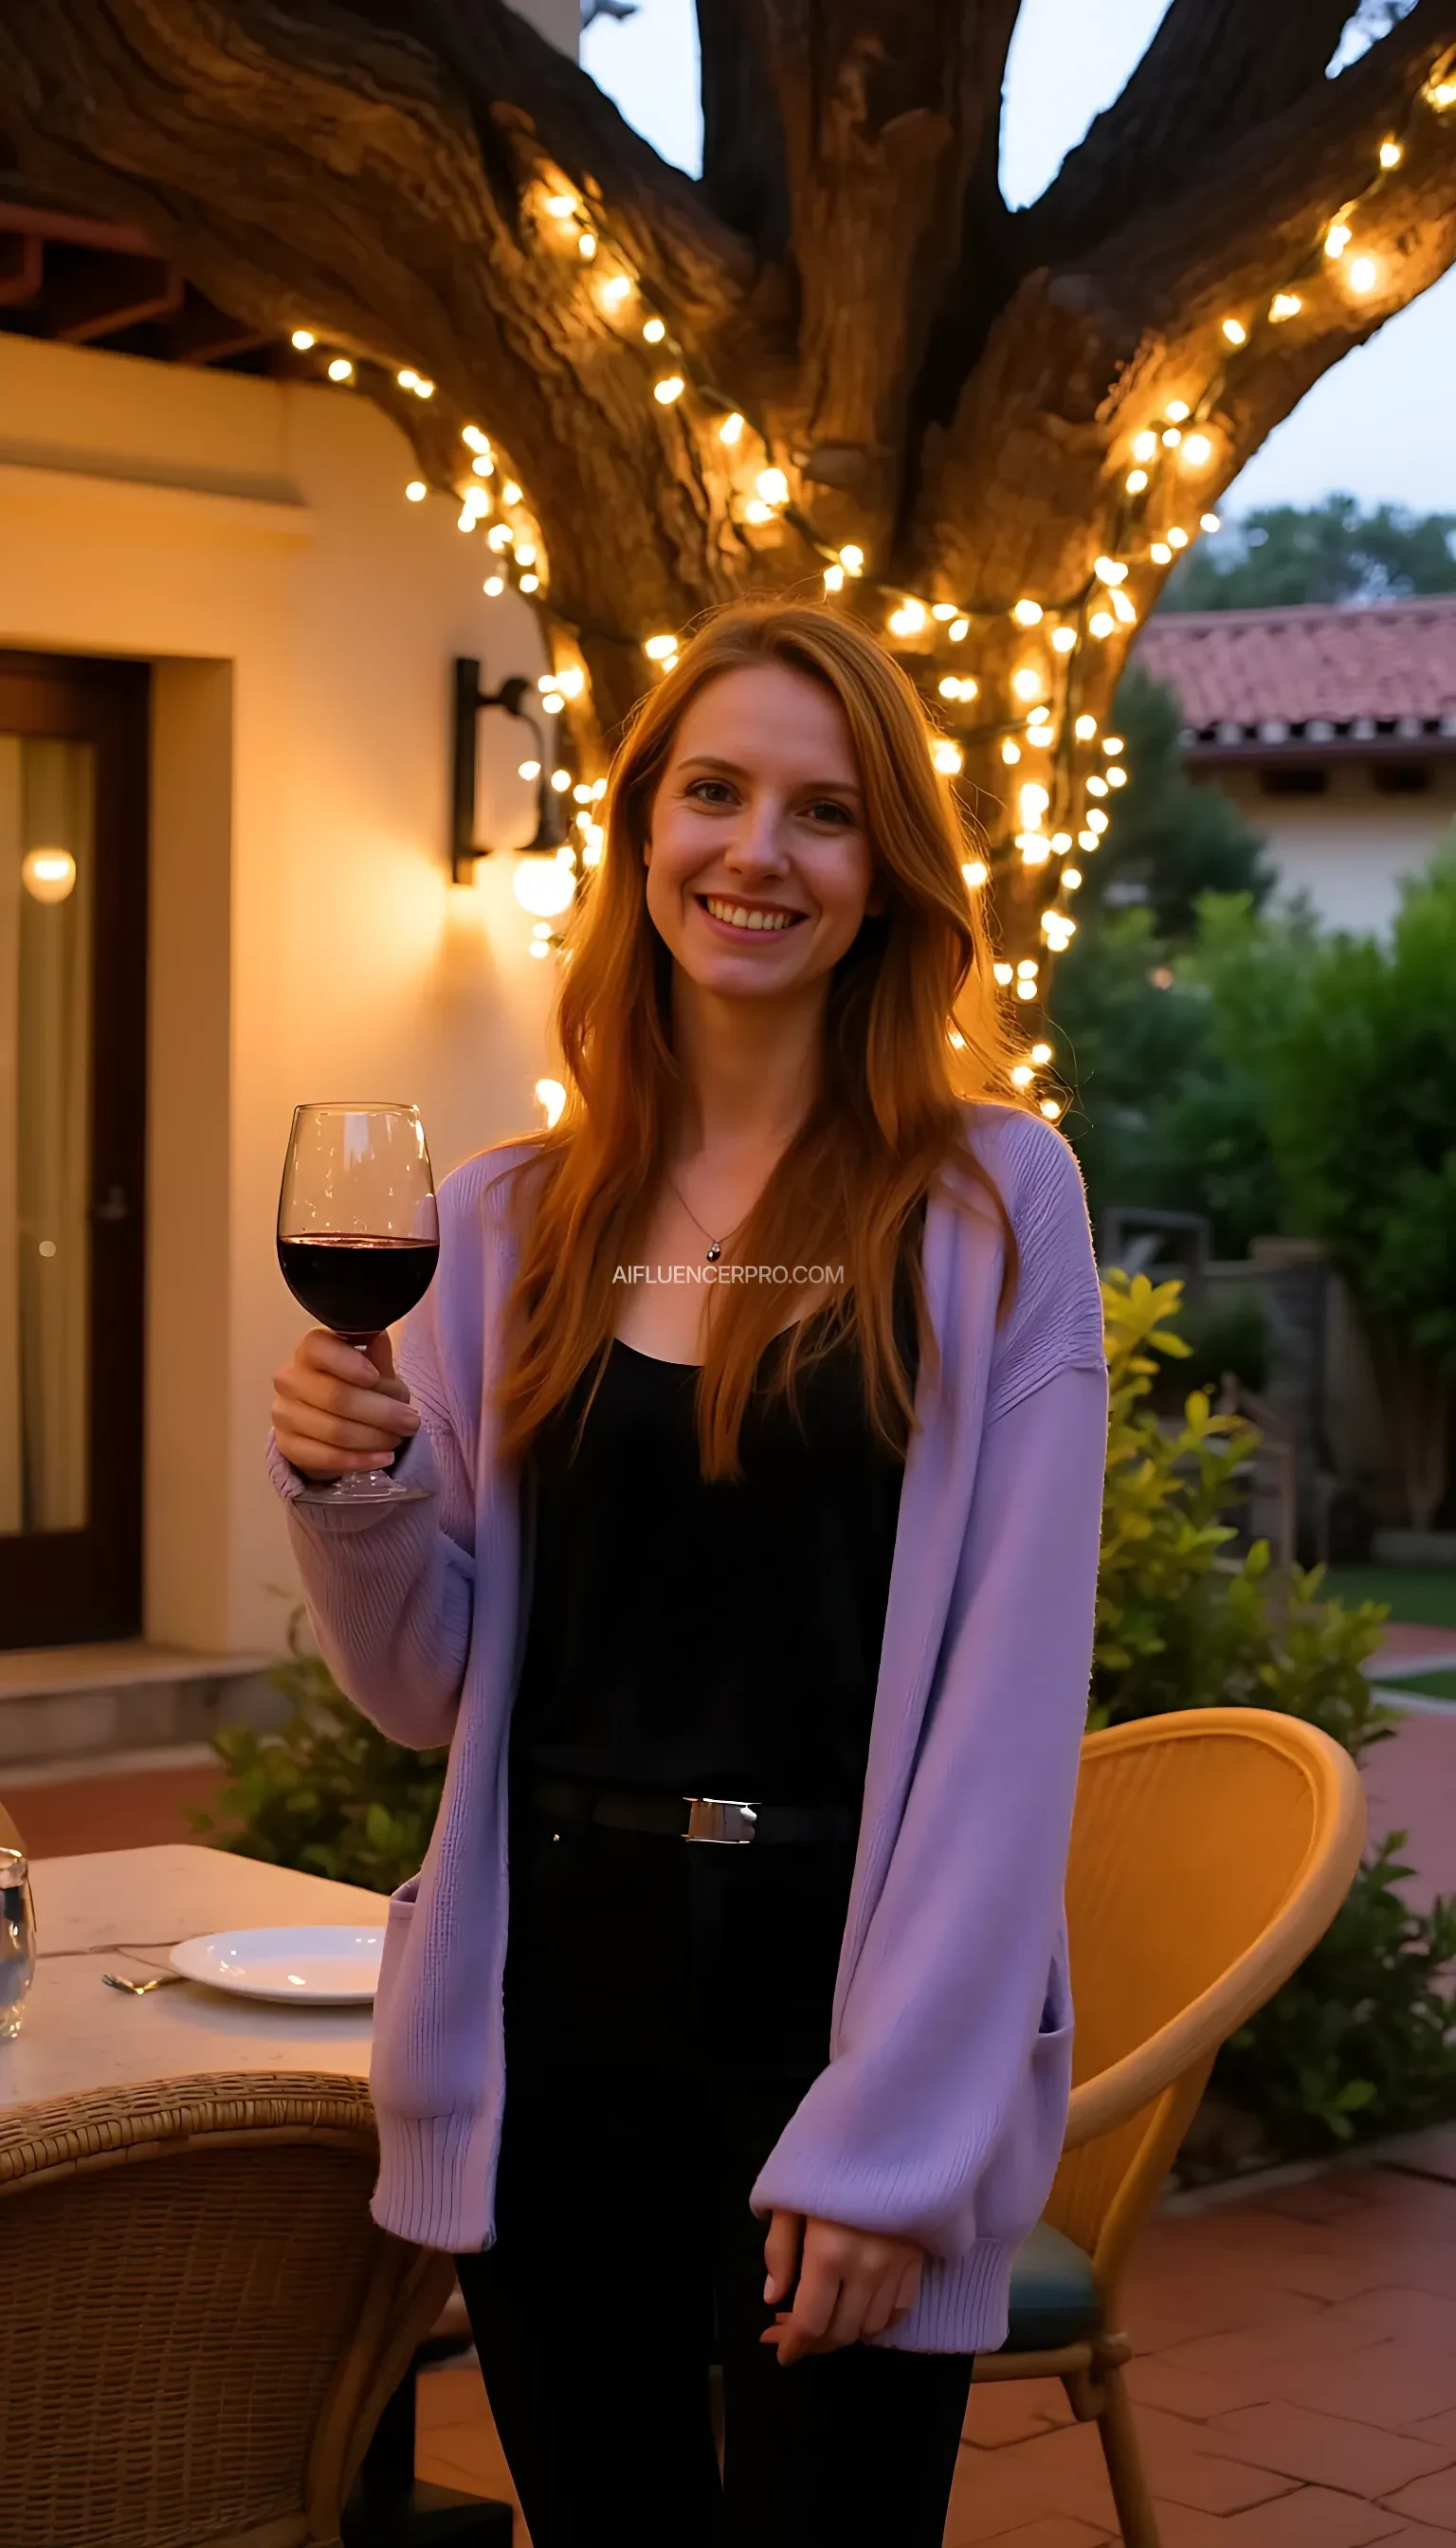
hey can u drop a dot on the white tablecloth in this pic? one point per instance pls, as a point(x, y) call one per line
point(78, 2035)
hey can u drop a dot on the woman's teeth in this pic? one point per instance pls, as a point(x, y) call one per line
point(737, 916)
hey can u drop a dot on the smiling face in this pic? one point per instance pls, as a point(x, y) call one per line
point(759, 866)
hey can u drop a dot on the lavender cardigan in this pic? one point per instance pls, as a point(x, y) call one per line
point(939, 2111)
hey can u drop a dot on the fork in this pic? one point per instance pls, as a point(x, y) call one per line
point(138, 1990)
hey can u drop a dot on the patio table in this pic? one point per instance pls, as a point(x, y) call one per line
point(121, 1910)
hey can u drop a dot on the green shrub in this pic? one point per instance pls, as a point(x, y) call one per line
point(1360, 2038)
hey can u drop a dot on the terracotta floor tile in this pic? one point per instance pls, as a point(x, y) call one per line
point(1180, 2525)
point(1418, 2317)
point(1413, 2536)
point(994, 2492)
point(1321, 2198)
point(1055, 2532)
point(1312, 2517)
point(1428, 2498)
point(1439, 2429)
point(1310, 2335)
point(1066, 2473)
point(1331, 2449)
point(1013, 2411)
point(1160, 2382)
point(1391, 2384)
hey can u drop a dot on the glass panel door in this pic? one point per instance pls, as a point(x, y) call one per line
point(73, 898)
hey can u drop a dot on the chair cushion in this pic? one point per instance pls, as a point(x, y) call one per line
point(1053, 2298)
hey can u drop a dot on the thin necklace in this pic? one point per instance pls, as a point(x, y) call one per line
point(715, 1245)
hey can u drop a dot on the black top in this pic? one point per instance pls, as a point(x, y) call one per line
point(715, 1639)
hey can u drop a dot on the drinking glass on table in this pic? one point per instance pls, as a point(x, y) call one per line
point(358, 1241)
point(17, 1938)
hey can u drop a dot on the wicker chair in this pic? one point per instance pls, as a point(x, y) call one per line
point(1209, 1853)
point(201, 2321)
point(9, 1837)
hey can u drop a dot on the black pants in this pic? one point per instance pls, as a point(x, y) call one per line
point(667, 2005)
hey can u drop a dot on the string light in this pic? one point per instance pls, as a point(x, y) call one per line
point(947, 756)
point(1026, 613)
point(731, 428)
point(341, 369)
point(1208, 522)
point(1027, 682)
point(1362, 274)
point(773, 485)
point(1160, 552)
point(851, 559)
point(653, 330)
point(1337, 238)
point(1285, 305)
point(511, 492)
point(1135, 481)
point(834, 579)
point(909, 619)
point(1177, 411)
point(958, 631)
point(1064, 640)
point(1101, 624)
point(1010, 752)
point(1236, 331)
point(658, 649)
point(668, 389)
point(1145, 446)
point(493, 584)
point(616, 289)
point(301, 338)
point(417, 490)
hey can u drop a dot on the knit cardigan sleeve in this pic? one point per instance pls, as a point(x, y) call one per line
point(905, 2130)
point(390, 1589)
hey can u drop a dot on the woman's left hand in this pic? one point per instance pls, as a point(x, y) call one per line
point(851, 2283)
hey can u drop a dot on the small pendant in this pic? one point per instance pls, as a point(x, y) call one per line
point(714, 1252)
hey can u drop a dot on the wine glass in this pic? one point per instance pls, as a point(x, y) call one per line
point(358, 1241)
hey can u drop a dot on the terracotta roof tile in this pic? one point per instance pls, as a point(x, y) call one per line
point(1391, 666)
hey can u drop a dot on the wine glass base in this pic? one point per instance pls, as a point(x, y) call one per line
point(365, 1487)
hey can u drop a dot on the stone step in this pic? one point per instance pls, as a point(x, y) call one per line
point(72, 1703)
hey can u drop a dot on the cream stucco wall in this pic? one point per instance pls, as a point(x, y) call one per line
point(252, 541)
point(1349, 849)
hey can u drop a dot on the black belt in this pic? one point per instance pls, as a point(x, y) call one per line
point(724, 1819)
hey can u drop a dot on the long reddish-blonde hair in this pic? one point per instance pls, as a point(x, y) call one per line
point(912, 1028)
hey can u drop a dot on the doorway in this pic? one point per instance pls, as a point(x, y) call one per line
point(73, 831)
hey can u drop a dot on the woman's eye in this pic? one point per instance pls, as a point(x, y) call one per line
point(828, 810)
point(702, 787)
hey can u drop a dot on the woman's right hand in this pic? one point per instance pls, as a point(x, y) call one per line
point(337, 1407)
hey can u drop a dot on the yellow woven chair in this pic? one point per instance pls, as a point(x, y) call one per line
point(201, 2322)
point(1209, 1853)
point(9, 1837)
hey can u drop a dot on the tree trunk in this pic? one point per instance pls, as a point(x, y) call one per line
point(977, 401)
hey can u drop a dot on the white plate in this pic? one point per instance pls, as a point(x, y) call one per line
point(338, 1965)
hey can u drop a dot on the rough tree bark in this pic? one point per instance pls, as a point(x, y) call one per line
point(952, 387)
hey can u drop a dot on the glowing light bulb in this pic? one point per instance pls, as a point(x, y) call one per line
point(731, 428)
point(1112, 745)
point(543, 887)
point(1039, 717)
point(851, 559)
point(1010, 752)
point(658, 649)
point(950, 688)
point(1208, 522)
point(669, 388)
point(773, 485)
point(483, 465)
point(586, 246)
point(615, 291)
point(976, 873)
point(525, 554)
point(1285, 305)
point(425, 389)
point(530, 584)
point(1442, 95)
point(1061, 841)
point(301, 338)
point(1027, 682)
point(1109, 570)
point(1097, 820)
point(653, 329)
point(1026, 613)
point(959, 629)
point(947, 756)
point(416, 491)
point(834, 579)
point(1178, 539)
point(943, 611)
point(1236, 331)
point(1071, 877)
point(561, 207)
point(341, 369)
point(1196, 452)
point(1022, 1075)
point(1124, 610)
point(758, 511)
point(1177, 411)
point(407, 380)
point(1002, 972)
point(511, 492)
point(1135, 481)
point(1362, 274)
point(48, 875)
point(1085, 728)
point(909, 619)
point(1145, 446)
point(529, 770)
point(1160, 552)
point(1096, 785)
point(1117, 777)
point(561, 780)
point(493, 584)
point(1173, 436)
point(550, 1094)
point(1051, 1108)
point(1028, 968)
point(1337, 238)
point(1101, 624)
point(1033, 801)
point(1064, 639)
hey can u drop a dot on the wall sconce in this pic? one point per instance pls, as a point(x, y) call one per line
point(471, 703)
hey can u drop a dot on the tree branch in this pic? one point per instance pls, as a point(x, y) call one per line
point(745, 175)
point(1213, 73)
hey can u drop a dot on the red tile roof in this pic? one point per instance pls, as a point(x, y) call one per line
point(1311, 674)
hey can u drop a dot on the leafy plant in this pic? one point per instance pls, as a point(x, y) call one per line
point(1362, 2038)
point(328, 1794)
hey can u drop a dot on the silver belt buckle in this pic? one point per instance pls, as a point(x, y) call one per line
point(720, 1818)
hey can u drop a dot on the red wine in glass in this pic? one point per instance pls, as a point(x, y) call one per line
point(358, 1240)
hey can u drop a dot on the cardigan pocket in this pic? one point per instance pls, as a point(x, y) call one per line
point(1017, 2181)
point(396, 1938)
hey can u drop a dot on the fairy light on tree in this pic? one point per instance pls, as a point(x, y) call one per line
point(735, 456)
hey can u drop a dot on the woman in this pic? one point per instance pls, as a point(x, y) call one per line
point(797, 1566)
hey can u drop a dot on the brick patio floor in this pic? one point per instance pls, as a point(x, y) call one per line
point(1295, 2384)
